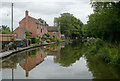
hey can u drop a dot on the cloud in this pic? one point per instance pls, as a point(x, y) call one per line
point(47, 10)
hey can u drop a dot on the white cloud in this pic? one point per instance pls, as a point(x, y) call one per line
point(46, 9)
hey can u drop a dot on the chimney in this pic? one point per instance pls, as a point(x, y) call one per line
point(26, 13)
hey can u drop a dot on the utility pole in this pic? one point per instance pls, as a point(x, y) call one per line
point(12, 17)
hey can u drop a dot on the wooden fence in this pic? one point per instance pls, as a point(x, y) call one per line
point(8, 37)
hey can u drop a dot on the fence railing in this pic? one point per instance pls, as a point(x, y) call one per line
point(8, 37)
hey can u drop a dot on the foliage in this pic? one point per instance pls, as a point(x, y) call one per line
point(48, 40)
point(85, 32)
point(70, 25)
point(94, 42)
point(33, 40)
point(116, 60)
point(69, 55)
point(41, 41)
point(103, 51)
point(47, 34)
point(27, 33)
point(6, 30)
point(43, 22)
point(105, 22)
point(28, 37)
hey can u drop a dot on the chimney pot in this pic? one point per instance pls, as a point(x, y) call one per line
point(26, 13)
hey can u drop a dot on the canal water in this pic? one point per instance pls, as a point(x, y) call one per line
point(57, 61)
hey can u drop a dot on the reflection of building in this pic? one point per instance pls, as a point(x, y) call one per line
point(9, 65)
point(55, 52)
point(33, 61)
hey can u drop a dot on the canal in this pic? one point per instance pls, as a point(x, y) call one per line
point(57, 61)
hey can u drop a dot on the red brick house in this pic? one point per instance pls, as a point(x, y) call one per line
point(32, 25)
point(35, 27)
point(52, 30)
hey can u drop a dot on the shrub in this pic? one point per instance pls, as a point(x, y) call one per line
point(116, 60)
point(104, 54)
point(28, 37)
point(47, 34)
point(94, 42)
point(33, 40)
point(27, 33)
point(48, 40)
point(94, 45)
point(41, 41)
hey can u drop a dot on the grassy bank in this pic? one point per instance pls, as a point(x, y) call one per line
point(105, 51)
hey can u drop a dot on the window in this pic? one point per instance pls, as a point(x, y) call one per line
point(41, 30)
point(37, 26)
point(54, 32)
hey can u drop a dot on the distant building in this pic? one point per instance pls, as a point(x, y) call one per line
point(35, 27)
point(52, 30)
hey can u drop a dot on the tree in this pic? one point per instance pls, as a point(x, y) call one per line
point(6, 30)
point(70, 25)
point(105, 22)
point(43, 22)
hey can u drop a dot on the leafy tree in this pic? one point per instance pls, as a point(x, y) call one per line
point(43, 22)
point(6, 30)
point(105, 22)
point(70, 25)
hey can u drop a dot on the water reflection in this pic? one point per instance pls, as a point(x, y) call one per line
point(69, 55)
point(33, 58)
point(57, 61)
point(29, 59)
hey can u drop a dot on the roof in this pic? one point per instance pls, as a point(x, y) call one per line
point(35, 20)
point(53, 29)
point(25, 29)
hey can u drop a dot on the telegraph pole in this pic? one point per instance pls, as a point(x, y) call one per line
point(12, 17)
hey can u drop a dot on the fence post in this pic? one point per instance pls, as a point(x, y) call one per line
point(27, 42)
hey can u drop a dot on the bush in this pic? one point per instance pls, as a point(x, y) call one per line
point(41, 41)
point(28, 37)
point(27, 33)
point(104, 54)
point(94, 42)
point(47, 34)
point(33, 40)
point(48, 40)
point(94, 45)
point(116, 60)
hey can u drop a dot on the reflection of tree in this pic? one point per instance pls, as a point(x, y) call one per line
point(69, 55)
point(101, 70)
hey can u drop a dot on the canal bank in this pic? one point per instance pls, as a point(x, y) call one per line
point(6, 54)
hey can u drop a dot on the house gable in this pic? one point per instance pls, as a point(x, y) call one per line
point(18, 31)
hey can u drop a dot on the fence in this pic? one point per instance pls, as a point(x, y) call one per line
point(8, 37)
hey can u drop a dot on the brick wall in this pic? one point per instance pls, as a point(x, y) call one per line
point(18, 30)
point(28, 23)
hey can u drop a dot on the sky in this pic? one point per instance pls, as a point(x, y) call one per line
point(45, 9)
